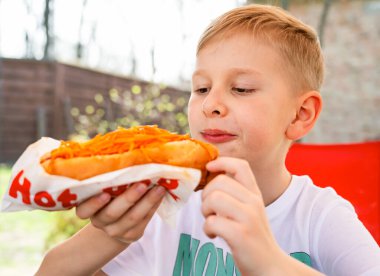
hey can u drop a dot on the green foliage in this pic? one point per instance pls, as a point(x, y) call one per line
point(5, 175)
point(65, 224)
point(139, 105)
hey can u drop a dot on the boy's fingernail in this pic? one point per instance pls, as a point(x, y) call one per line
point(141, 188)
point(160, 190)
point(104, 197)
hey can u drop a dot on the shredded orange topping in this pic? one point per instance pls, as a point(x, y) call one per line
point(118, 141)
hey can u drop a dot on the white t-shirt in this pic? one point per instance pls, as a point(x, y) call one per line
point(310, 223)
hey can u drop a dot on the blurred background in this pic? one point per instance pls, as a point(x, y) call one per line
point(72, 68)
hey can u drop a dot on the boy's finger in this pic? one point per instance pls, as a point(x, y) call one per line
point(89, 207)
point(139, 211)
point(223, 204)
point(138, 217)
point(238, 169)
point(119, 205)
point(227, 185)
point(218, 226)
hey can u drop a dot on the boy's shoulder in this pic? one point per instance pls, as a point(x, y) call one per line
point(314, 195)
point(308, 198)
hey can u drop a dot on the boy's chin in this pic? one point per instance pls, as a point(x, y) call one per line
point(226, 152)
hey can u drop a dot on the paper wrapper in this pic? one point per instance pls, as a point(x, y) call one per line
point(30, 187)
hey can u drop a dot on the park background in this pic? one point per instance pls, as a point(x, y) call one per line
point(142, 53)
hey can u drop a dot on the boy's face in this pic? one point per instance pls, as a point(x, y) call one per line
point(242, 100)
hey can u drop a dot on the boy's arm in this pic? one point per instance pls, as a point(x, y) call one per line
point(83, 254)
point(234, 210)
point(115, 224)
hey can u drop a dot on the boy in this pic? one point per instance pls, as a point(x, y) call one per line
point(254, 92)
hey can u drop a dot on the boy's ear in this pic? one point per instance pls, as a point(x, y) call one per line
point(309, 106)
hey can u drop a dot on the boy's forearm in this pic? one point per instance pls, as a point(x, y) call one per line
point(83, 254)
point(287, 265)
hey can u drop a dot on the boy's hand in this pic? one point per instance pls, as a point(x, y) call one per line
point(235, 211)
point(126, 216)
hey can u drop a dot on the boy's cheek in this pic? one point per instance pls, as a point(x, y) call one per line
point(194, 119)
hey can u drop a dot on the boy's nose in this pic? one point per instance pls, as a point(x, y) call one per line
point(213, 106)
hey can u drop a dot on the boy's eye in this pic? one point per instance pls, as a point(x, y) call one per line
point(242, 90)
point(202, 90)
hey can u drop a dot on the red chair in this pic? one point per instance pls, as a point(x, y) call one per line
point(353, 170)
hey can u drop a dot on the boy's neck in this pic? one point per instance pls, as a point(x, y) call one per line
point(273, 184)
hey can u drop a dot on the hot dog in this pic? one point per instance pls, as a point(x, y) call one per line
point(128, 147)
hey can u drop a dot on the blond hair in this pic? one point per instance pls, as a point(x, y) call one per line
point(296, 42)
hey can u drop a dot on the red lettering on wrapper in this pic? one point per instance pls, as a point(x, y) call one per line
point(169, 184)
point(23, 188)
point(118, 190)
point(115, 191)
point(44, 199)
point(41, 198)
point(145, 181)
point(21, 184)
point(66, 198)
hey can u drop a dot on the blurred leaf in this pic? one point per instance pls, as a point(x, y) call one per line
point(90, 109)
point(74, 111)
point(99, 98)
point(136, 89)
point(114, 95)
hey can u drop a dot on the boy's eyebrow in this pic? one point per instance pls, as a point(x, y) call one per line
point(244, 71)
point(199, 72)
point(232, 71)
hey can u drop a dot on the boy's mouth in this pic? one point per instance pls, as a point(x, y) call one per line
point(217, 136)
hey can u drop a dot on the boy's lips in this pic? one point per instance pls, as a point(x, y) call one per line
point(217, 136)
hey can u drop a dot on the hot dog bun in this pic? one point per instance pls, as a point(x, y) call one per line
point(128, 147)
